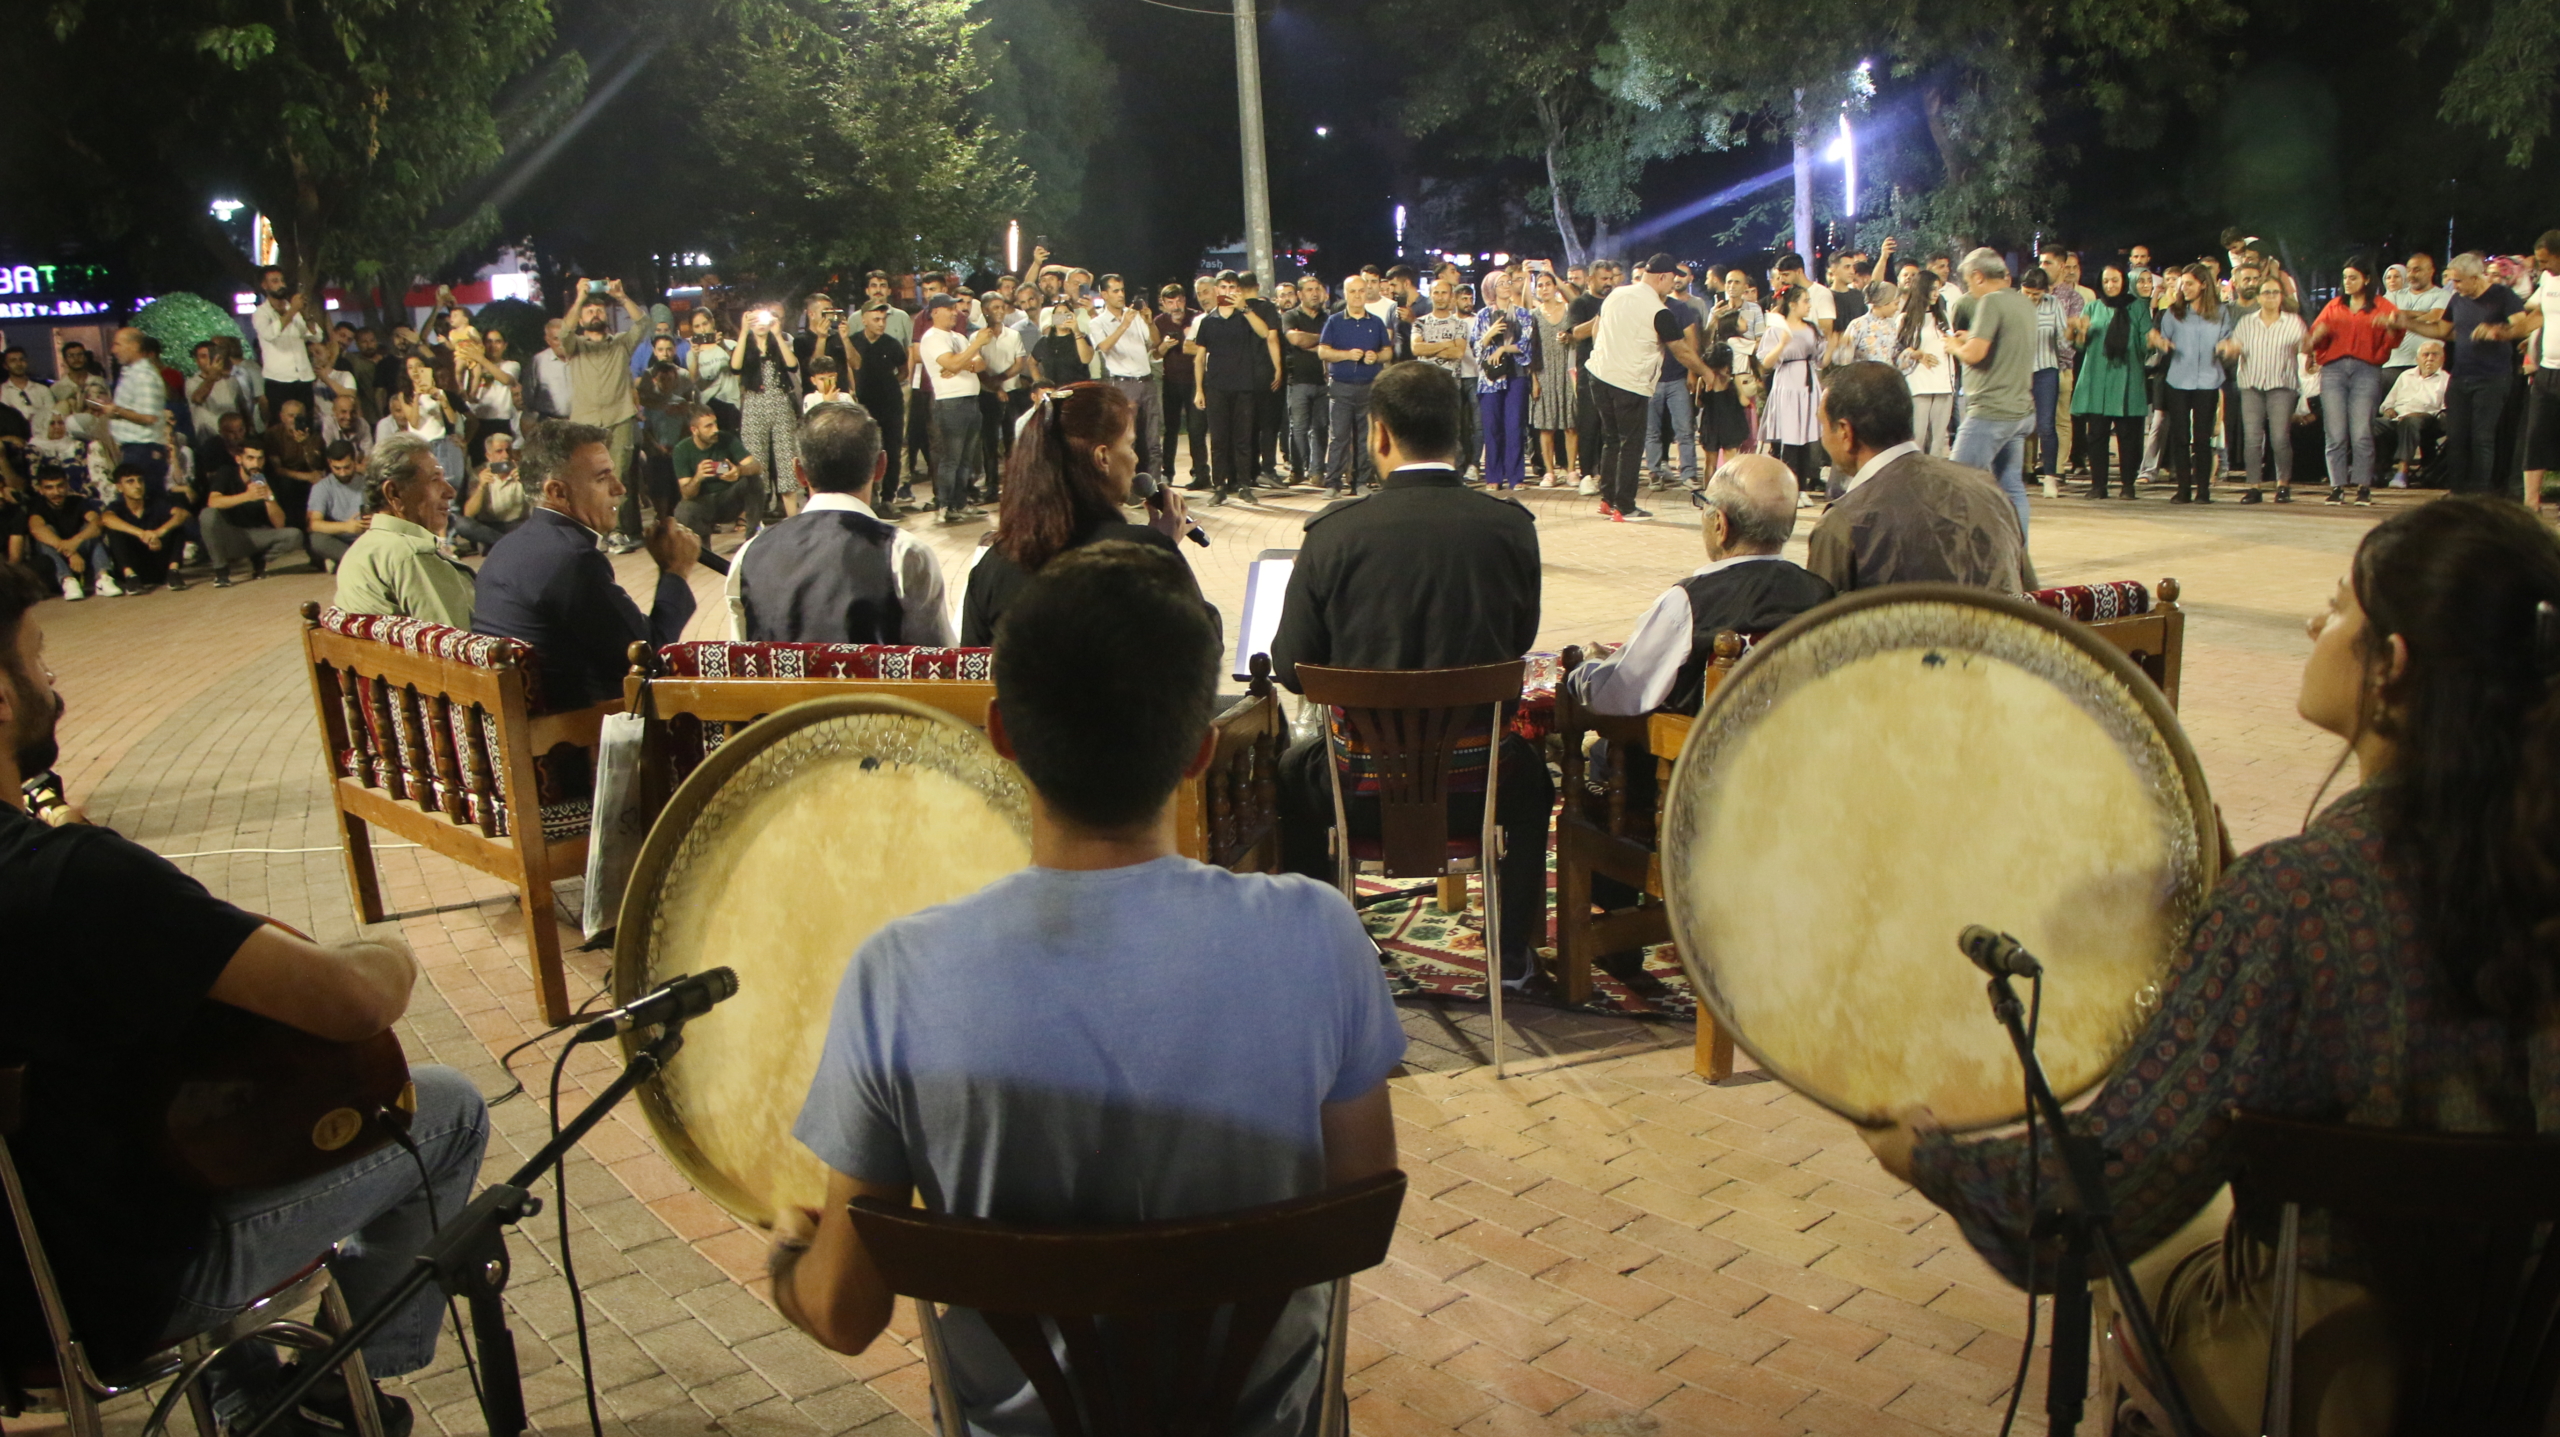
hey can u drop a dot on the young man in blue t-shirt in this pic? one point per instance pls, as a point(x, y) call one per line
point(1115, 1034)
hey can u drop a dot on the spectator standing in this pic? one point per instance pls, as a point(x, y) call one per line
point(1352, 346)
point(1270, 406)
point(2266, 350)
point(2539, 325)
point(1504, 343)
point(144, 533)
point(421, 409)
point(31, 397)
point(2418, 294)
point(600, 390)
point(286, 328)
point(1582, 326)
point(217, 389)
point(1009, 364)
point(492, 386)
point(334, 515)
point(1225, 341)
point(2349, 341)
point(1633, 333)
point(1672, 418)
point(1790, 351)
point(768, 371)
point(879, 382)
point(715, 383)
point(1303, 329)
point(2044, 384)
point(547, 393)
point(2191, 332)
point(2476, 324)
point(1182, 416)
point(952, 363)
point(1554, 381)
point(135, 417)
point(665, 394)
point(1994, 337)
point(1119, 345)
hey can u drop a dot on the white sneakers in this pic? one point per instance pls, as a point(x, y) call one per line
point(72, 593)
point(1590, 485)
point(107, 587)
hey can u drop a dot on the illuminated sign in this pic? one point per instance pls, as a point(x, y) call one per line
point(52, 291)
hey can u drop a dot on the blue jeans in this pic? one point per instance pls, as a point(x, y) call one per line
point(372, 1206)
point(1308, 407)
point(1346, 462)
point(2046, 386)
point(92, 554)
point(1999, 445)
point(2350, 391)
point(955, 451)
point(1671, 407)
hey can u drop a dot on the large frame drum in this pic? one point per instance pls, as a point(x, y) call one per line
point(1894, 766)
point(780, 855)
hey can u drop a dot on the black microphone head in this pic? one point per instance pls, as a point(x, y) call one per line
point(1143, 485)
point(721, 983)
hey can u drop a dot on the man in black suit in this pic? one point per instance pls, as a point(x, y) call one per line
point(1419, 573)
point(548, 584)
point(1908, 517)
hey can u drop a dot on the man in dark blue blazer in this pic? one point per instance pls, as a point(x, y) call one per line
point(548, 584)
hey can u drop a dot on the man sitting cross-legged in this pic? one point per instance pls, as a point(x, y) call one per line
point(1115, 1034)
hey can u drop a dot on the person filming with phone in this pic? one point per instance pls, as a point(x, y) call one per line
point(599, 365)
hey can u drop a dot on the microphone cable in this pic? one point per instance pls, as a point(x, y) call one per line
point(2027, 1350)
point(435, 1220)
point(568, 1264)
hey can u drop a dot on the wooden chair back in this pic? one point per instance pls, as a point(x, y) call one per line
point(1228, 816)
point(2146, 624)
point(1414, 726)
point(1667, 734)
point(1135, 1305)
point(2457, 1230)
point(436, 735)
point(1602, 834)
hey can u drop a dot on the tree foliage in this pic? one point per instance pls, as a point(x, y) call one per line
point(350, 123)
point(1051, 86)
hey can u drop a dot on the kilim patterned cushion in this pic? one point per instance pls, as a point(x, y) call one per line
point(2089, 603)
point(712, 659)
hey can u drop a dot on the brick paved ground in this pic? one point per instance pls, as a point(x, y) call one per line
point(1603, 1244)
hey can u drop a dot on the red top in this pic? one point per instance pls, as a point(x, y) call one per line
point(2353, 333)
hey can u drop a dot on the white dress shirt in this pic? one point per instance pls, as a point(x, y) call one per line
point(1638, 677)
point(1128, 358)
point(913, 569)
point(1875, 466)
point(280, 344)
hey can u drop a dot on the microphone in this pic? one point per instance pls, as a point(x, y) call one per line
point(1147, 487)
point(677, 999)
point(1998, 954)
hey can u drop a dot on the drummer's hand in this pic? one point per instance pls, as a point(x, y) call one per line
point(1893, 1142)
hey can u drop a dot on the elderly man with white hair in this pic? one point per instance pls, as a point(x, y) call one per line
point(2476, 323)
point(395, 565)
point(1995, 339)
point(2415, 409)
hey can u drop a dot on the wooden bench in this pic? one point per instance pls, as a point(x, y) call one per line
point(2146, 624)
point(692, 696)
point(437, 735)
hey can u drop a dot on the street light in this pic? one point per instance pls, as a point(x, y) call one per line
point(1013, 246)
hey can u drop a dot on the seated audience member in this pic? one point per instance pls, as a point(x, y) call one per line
point(1421, 572)
point(2427, 893)
point(715, 475)
point(835, 573)
point(550, 586)
point(345, 421)
point(335, 517)
point(1065, 486)
point(296, 456)
point(826, 384)
point(1048, 1050)
point(497, 502)
point(1907, 517)
point(64, 529)
point(246, 522)
point(2415, 411)
point(143, 1258)
point(1746, 585)
point(144, 533)
point(395, 566)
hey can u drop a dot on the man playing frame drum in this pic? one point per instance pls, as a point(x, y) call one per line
point(2395, 965)
point(1114, 1034)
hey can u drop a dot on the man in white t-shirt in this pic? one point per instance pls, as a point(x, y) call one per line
point(1634, 331)
point(286, 328)
point(216, 390)
point(2541, 320)
point(1825, 309)
point(1000, 384)
point(29, 396)
point(1121, 337)
point(951, 363)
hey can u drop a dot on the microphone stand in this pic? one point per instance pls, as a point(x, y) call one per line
point(468, 1259)
point(2084, 1220)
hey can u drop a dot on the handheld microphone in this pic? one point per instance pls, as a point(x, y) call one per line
point(1147, 487)
point(677, 999)
point(1998, 954)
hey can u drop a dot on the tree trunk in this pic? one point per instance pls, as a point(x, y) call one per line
point(1574, 254)
point(1804, 187)
point(1950, 157)
point(1604, 241)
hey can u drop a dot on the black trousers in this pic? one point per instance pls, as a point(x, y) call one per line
point(1270, 422)
point(1621, 441)
point(2472, 409)
point(1231, 437)
point(1526, 800)
point(137, 560)
point(889, 411)
point(2186, 437)
point(920, 430)
point(1586, 420)
point(2120, 433)
point(1181, 418)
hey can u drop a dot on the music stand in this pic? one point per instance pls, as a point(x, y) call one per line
point(1266, 589)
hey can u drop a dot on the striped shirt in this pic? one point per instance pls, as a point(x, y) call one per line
point(140, 388)
point(2050, 345)
point(2268, 350)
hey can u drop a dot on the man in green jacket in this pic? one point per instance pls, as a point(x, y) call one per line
point(395, 566)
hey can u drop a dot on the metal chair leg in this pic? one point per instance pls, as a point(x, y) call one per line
point(336, 1319)
point(1489, 870)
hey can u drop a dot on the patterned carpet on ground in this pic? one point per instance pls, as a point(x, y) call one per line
point(1441, 955)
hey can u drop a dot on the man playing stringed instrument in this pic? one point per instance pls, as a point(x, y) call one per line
point(112, 956)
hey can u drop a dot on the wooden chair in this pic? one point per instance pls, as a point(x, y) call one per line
point(2146, 624)
point(67, 1381)
point(692, 696)
point(2457, 1232)
point(1604, 834)
point(1419, 736)
point(1135, 1305)
point(438, 736)
point(1666, 734)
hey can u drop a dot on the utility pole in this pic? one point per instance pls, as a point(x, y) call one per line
point(1804, 189)
point(1257, 170)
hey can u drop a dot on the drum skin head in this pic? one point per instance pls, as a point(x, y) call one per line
point(788, 848)
point(1895, 766)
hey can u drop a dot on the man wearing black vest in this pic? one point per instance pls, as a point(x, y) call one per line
point(1421, 572)
point(836, 573)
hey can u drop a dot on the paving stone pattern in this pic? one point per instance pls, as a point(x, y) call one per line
point(1603, 1244)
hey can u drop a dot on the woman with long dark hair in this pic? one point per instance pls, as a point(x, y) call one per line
point(1927, 366)
point(2349, 342)
point(1791, 418)
point(768, 370)
point(1067, 485)
point(2191, 331)
point(2395, 965)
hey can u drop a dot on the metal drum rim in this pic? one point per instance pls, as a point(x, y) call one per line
point(648, 879)
point(2146, 695)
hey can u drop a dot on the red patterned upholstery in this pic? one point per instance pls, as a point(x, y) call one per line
point(714, 659)
point(2090, 603)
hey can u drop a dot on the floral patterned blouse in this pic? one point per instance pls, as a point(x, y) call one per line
point(1523, 332)
point(2304, 992)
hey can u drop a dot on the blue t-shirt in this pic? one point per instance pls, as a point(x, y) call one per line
point(1353, 331)
point(1107, 1047)
point(2193, 364)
